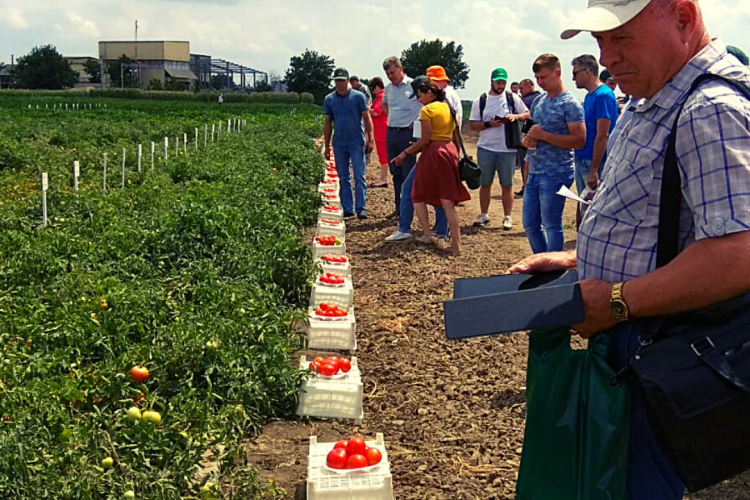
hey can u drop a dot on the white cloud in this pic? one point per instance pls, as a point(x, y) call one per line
point(13, 17)
point(84, 27)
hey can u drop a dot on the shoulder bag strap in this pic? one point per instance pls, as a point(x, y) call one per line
point(671, 189)
point(460, 137)
point(482, 105)
point(511, 101)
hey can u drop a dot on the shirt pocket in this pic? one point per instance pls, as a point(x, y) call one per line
point(628, 189)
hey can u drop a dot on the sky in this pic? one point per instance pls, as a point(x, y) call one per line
point(358, 34)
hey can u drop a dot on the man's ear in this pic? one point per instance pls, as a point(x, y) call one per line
point(688, 17)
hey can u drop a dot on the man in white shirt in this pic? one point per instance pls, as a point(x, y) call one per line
point(489, 114)
point(437, 74)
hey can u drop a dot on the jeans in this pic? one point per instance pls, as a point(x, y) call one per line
point(406, 210)
point(357, 156)
point(543, 211)
point(582, 174)
point(651, 475)
point(396, 142)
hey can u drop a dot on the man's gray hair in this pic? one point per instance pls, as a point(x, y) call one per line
point(526, 81)
point(391, 61)
point(587, 61)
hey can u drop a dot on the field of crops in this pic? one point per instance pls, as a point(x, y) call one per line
point(196, 270)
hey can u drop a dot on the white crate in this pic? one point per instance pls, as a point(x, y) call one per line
point(331, 398)
point(321, 250)
point(332, 334)
point(323, 186)
point(328, 214)
point(344, 269)
point(376, 484)
point(339, 230)
point(340, 296)
point(334, 202)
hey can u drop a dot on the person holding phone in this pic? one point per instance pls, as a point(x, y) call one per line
point(489, 114)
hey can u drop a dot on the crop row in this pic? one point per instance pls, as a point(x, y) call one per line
point(203, 269)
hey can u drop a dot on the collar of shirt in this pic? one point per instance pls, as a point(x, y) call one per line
point(678, 85)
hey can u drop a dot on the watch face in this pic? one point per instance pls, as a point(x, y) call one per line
point(619, 308)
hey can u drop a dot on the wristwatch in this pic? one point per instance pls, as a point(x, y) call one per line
point(617, 304)
point(487, 124)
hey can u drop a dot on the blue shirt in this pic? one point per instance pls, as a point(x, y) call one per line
point(554, 114)
point(346, 114)
point(601, 103)
point(402, 110)
point(618, 234)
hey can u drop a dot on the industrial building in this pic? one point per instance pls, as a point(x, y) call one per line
point(163, 61)
point(77, 64)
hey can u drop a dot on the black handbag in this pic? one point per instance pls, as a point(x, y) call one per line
point(469, 171)
point(513, 136)
point(693, 370)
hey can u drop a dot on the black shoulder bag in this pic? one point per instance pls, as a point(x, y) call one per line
point(694, 369)
point(467, 168)
point(513, 139)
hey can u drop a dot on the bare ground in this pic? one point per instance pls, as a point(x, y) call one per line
point(452, 413)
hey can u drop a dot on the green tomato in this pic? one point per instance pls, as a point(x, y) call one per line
point(212, 345)
point(107, 463)
point(133, 414)
point(129, 494)
point(152, 416)
point(208, 491)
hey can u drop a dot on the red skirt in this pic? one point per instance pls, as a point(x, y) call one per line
point(437, 176)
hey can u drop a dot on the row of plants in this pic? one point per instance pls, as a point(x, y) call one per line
point(138, 94)
point(196, 272)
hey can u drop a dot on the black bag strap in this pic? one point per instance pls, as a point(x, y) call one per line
point(511, 101)
point(460, 137)
point(671, 184)
point(482, 105)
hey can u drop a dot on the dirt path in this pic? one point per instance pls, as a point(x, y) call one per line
point(452, 413)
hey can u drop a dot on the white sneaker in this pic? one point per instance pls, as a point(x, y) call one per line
point(399, 236)
point(482, 220)
point(507, 223)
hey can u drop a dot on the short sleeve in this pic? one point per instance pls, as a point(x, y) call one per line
point(377, 106)
point(474, 115)
point(714, 161)
point(574, 111)
point(426, 113)
point(361, 101)
point(606, 107)
point(520, 105)
point(327, 110)
point(385, 95)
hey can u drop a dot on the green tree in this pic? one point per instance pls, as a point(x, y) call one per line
point(44, 68)
point(222, 82)
point(421, 55)
point(263, 87)
point(122, 67)
point(310, 72)
point(94, 70)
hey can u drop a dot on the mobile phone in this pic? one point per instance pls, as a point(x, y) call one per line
point(500, 118)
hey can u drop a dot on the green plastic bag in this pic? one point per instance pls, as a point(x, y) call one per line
point(577, 425)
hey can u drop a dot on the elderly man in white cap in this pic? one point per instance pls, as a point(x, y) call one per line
point(655, 50)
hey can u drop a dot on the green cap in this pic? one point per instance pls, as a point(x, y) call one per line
point(416, 83)
point(499, 74)
point(340, 74)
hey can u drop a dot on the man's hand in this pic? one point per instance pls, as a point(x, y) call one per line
point(510, 118)
point(596, 297)
point(496, 122)
point(327, 153)
point(536, 133)
point(593, 180)
point(370, 146)
point(545, 262)
point(528, 142)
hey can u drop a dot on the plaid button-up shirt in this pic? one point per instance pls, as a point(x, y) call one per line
point(617, 238)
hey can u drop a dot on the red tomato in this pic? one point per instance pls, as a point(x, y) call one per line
point(314, 367)
point(320, 312)
point(139, 374)
point(319, 360)
point(356, 462)
point(341, 444)
point(373, 456)
point(333, 360)
point(345, 365)
point(356, 446)
point(328, 369)
point(336, 459)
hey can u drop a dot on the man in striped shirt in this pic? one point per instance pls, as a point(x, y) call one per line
point(655, 49)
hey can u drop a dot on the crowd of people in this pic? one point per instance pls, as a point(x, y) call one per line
point(563, 140)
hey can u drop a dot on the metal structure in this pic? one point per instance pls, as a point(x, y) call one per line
point(222, 67)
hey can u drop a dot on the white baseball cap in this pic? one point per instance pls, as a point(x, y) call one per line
point(604, 15)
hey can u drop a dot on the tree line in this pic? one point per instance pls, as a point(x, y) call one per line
point(45, 68)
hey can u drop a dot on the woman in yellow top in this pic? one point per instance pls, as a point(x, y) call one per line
point(437, 181)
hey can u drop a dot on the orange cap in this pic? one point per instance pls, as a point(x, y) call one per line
point(437, 74)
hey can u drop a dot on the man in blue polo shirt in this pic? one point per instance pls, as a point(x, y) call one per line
point(600, 110)
point(345, 111)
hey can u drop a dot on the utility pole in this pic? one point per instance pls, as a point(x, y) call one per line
point(138, 67)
